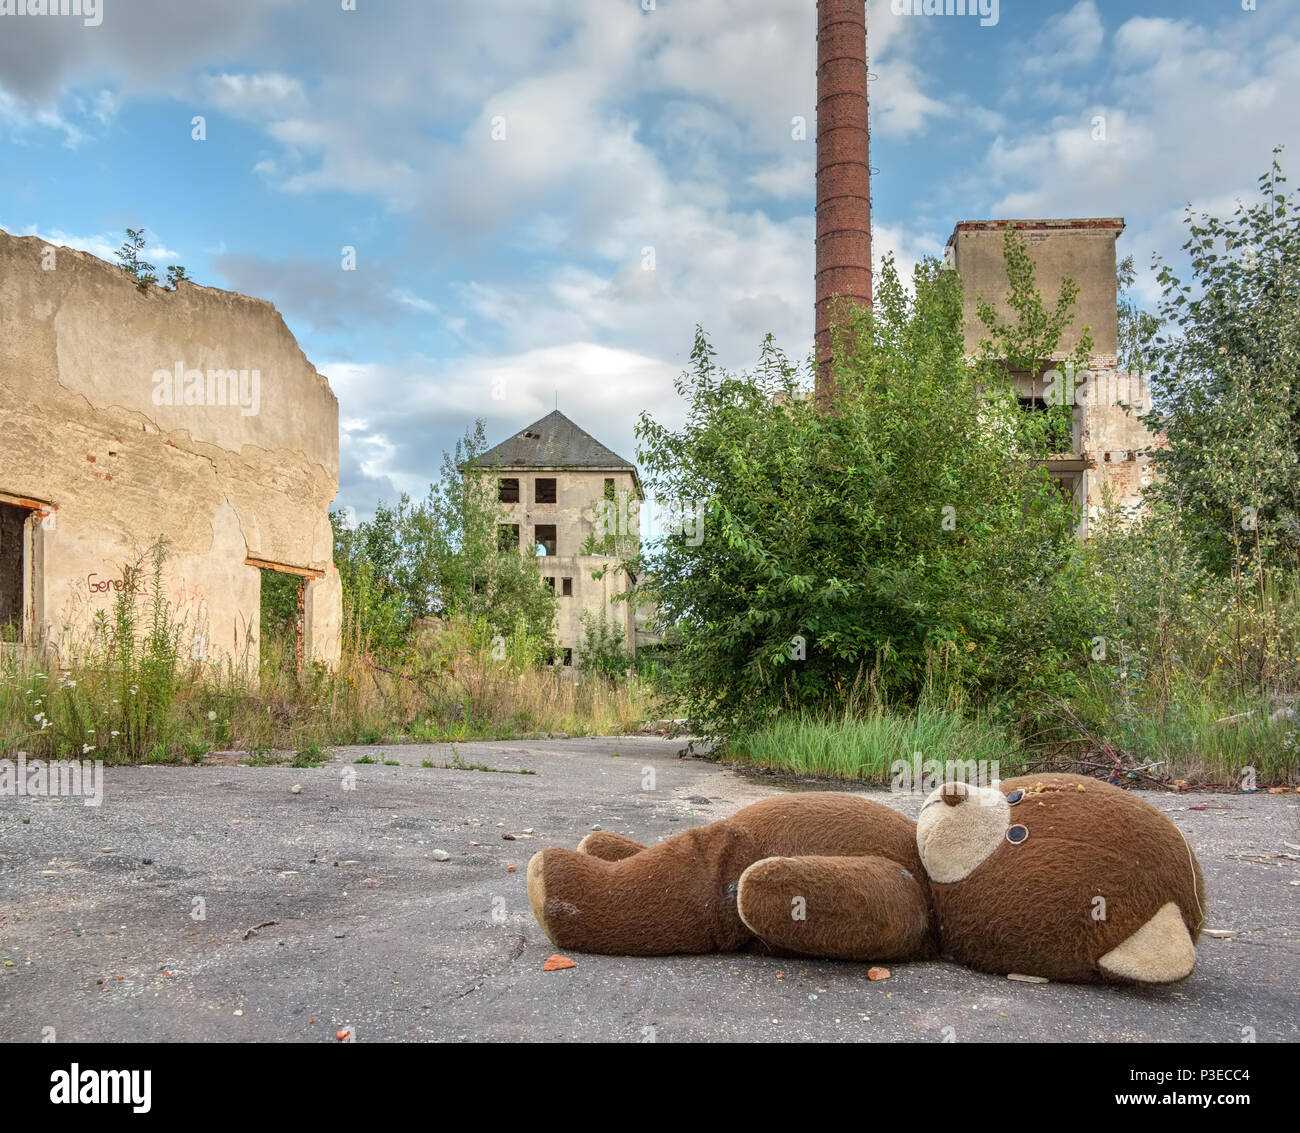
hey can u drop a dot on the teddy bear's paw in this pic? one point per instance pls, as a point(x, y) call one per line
point(608, 846)
point(845, 908)
point(555, 915)
point(1161, 951)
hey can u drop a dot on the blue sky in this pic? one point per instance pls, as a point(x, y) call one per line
point(493, 274)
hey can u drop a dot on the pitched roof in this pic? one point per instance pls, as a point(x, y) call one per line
point(554, 442)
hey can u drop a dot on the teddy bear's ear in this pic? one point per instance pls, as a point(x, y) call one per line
point(1161, 951)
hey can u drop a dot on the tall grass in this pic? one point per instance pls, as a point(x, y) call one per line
point(866, 747)
point(132, 693)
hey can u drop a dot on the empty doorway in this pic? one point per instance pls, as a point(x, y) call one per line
point(13, 569)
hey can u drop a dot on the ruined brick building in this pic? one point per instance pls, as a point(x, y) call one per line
point(1103, 457)
point(1104, 453)
point(129, 416)
point(572, 504)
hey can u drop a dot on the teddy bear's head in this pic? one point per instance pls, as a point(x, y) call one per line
point(1061, 876)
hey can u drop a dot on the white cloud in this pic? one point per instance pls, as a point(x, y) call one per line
point(1187, 114)
point(398, 419)
point(1068, 40)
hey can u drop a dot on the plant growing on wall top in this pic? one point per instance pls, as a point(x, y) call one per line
point(1026, 345)
point(130, 260)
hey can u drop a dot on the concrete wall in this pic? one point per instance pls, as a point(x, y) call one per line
point(1084, 250)
point(577, 494)
point(595, 596)
point(86, 432)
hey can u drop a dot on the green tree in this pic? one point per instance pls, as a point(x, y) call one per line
point(441, 555)
point(1226, 379)
point(901, 541)
point(130, 261)
point(602, 650)
point(1024, 347)
point(1136, 328)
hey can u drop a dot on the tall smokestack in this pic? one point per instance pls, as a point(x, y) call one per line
point(843, 169)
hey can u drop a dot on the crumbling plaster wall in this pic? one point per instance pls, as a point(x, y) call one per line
point(1110, 436)
point(577, 494)
point(595, 596)
point(80, 430)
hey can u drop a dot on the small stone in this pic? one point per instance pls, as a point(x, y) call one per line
point(440, 856)
point(508, 837)
point(239, 1012)
point(49, 873)
point(556, 963)
point(595, 826)
point(1027, 979)
point(351, 861)
point(108, 849)
point(529, 830)
point(296, 789)
point(9, 963)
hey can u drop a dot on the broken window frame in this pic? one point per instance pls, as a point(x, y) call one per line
point(539, 539)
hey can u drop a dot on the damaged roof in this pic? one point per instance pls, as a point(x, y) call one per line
point(554, 442)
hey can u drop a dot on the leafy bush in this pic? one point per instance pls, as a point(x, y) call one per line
point(439, 557)
point(602, 650)
point(902, 542)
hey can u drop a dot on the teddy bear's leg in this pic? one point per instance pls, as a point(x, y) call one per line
point(609, 846)
point(859, 908)
point(1161, 951)
point(676, 896)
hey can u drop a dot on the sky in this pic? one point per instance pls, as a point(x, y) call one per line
point(545, 197)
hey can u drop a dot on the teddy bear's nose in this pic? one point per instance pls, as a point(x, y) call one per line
point(953, 793)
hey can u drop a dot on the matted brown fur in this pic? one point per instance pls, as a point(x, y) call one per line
point(865, 908)
point(681, 895)
point(1032, 908)
point(852, 868)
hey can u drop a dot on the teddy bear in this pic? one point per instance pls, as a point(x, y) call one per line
point(1056, 876)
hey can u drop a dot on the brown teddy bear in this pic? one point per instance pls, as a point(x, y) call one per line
point(1058, 876)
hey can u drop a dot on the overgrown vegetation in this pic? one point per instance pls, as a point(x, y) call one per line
point(903, 544)
point(891, 574)
point(445, 637)
point(440, 557)
point(830, 604)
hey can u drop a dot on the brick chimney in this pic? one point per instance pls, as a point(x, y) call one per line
point(843, 168)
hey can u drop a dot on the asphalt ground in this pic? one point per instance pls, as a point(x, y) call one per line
point(213, 903)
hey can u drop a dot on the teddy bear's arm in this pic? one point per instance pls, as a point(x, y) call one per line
point(844, 908)
point(609, 846)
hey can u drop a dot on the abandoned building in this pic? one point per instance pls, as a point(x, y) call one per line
point(573, 504)
point(1105, 455)
point(128, 417)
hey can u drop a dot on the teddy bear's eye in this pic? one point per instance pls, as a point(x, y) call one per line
point(1017, 834)
point(1015, 796)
